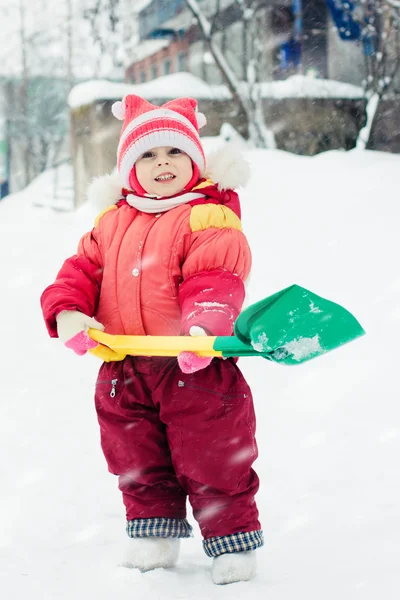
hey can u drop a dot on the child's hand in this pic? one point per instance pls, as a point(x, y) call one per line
point(190, 362)
point(72, 327)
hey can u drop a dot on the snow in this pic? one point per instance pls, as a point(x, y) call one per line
point(141, 5)
point(365, 132)
point(303, 347)
point(210, 304)
point(328, 430)
point(299, 348)
point(301, 86)
point(162, 87)
point(148, 48)
point(261, 345)
point(46, 31)
point(297, 86)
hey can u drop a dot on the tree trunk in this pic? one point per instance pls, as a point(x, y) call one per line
point(24, 93)
point(365, 132)
point(247, 96)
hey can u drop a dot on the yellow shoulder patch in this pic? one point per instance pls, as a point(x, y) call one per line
point(203, 184)
point(204, 216)
point(103, 212)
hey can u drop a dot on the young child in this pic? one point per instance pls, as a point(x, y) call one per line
point(168, 257)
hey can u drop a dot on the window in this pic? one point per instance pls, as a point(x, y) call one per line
point(181, 61)
point(142, 76)
point(154, 72)
point(167, 66)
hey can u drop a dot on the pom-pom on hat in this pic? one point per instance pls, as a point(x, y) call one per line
point(146, 126)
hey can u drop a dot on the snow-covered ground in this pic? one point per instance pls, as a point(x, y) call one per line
point(328, 430)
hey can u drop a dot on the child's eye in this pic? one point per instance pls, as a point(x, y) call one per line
point(147, 155)
point(175, 151)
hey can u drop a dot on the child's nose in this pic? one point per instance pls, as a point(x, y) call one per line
point(163, 161)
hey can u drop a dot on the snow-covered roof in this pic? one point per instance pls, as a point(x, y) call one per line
point(147, 48)
point(186, 84)
point(141, 4)
point(301, 86)
point(168, 86)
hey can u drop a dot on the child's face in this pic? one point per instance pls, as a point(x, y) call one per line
point(164, 171)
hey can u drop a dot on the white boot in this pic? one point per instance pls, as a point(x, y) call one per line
point(238, 566)
point(152, 553)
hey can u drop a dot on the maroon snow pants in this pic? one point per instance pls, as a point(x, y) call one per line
point(169, 435)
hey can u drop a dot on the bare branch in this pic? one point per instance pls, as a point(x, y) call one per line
point(215, 18)
point(226, 71)
point(246, 95)
point(203, 22)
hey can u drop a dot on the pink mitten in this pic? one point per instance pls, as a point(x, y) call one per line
point(72, 327)
point(190, 362)
point(80, 343)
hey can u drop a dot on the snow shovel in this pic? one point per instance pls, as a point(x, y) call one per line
point(289, 327)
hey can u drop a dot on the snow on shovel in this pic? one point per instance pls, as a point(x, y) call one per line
point(289, 327)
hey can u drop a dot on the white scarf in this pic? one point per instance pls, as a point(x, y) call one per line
point(151, 205)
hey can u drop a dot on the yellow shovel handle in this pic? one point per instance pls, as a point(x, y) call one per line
point(117, 347)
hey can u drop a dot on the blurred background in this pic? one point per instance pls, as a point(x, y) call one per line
point(305, 76)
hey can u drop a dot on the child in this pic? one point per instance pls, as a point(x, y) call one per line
point(168, 257)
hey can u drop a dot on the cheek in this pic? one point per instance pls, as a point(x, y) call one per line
point(138, 180)
point(142, 172)
point(187, 170)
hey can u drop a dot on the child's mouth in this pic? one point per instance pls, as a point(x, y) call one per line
point(165, 177)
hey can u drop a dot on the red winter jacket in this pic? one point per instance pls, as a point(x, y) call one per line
point(158, 274)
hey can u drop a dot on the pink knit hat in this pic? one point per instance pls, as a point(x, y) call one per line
point(146, 126)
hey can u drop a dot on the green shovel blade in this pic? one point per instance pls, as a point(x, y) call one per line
point(293, 326)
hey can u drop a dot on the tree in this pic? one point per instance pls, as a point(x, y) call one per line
point(247, 94)
point(376, 24)
point(35, 89)
point(104, 18)
point(46, 48)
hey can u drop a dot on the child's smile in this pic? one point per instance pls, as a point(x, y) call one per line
point(165, 177)
point(164, 171)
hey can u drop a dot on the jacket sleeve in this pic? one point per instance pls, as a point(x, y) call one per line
point(77, 285)
point(214, 271)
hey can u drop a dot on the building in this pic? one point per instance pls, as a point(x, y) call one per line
point(299, 37)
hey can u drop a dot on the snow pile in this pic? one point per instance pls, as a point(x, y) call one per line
point(297, 86)
point(53, 189)
point(303, 347)
point(261, 345)
point(301, 86)
point(299, 348)
point(162, 87)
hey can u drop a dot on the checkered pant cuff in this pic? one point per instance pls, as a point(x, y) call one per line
point(159, 527)
point(236, 542)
